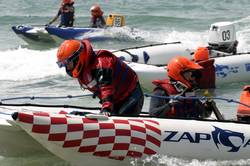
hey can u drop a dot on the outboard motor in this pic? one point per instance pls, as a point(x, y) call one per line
point(243, 112)
point(222, 37)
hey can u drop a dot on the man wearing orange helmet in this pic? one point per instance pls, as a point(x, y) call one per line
point(182, 75)
point(97, 19)
point(207, 79)
point(66, 12)
point(102, 73)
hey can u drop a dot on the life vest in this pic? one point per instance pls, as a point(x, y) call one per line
point(185, 108)
point(98, 22)
point(166, 86)
point(123, 80)
point(207, 79)
point(67, 17)
point(243, 112)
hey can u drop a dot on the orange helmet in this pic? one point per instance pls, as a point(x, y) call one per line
point(201, 54)
point(96, 10)
point(178, 65)
point(75, 51)
point(64, 2)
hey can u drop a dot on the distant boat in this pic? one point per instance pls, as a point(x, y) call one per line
point(32, 34)
point(92, 34)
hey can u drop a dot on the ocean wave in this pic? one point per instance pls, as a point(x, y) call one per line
point(25, 64)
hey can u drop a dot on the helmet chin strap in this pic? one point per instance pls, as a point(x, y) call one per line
point(179, 86)
point(69, 72)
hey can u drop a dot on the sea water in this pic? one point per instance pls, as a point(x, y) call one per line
point(30, 69)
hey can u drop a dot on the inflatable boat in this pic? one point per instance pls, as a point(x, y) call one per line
point(50, 33)
point(92, 34)
point(153, 54)
point(224, 65)
point(228, 69)
point(159, 54)
point(113, 140)
point(31, 34)
point(78, 135)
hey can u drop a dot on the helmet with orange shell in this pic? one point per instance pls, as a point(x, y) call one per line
point(64, 2)
point(96, 10)
point(74, 55)
point(201, 54)
point(177, 66)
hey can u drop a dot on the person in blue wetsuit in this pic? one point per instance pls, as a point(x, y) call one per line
point(66, 12)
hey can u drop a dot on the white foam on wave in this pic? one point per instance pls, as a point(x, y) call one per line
point(195, 39)
point(243, 34)
point(25, 64)
point(174, 161)
point(192, 39)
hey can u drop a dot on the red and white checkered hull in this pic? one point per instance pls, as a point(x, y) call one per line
point(114, 140)
point(81, 140)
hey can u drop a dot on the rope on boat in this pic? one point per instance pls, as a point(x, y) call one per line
point(198, 98)
point(45, 97)
point(149, 45)
point(51, 106)
point(46, 105)
point(98, 108)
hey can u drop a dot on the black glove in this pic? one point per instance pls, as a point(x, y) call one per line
point(208, 103)
point(105, 111)
point(208, 108)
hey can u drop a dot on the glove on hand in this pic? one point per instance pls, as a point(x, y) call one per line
point(208, 103)
point(105, 111)
point(173, 102)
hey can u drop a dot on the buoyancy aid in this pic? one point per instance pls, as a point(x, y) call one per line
point(184, 108)
point(243, 112)
point(207, 79)
point(98, 22)
point(109, 78)
point(67, 16)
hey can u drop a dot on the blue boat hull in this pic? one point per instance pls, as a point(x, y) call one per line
point(93, 34)
point(32, 34)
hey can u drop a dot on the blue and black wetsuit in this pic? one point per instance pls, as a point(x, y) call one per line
point(67, 15)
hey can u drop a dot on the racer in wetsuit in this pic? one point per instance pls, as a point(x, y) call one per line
point(181, 82)
point(66, 12)
point(102, 73)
